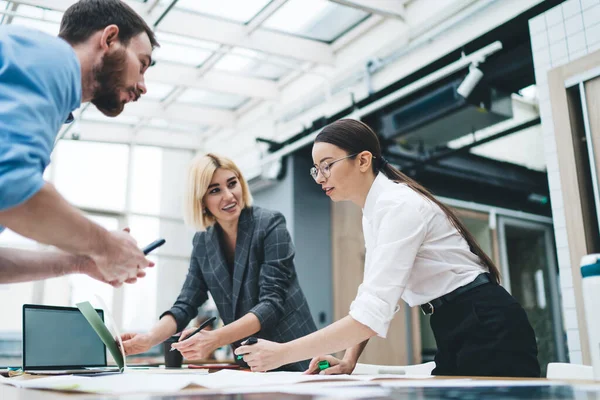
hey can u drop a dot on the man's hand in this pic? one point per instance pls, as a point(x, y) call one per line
point(337, 366)
point(120, 261)
point(85, 265)
point(135, 343)
point(198, 347)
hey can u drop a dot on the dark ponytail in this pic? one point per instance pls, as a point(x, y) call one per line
point(355, 136)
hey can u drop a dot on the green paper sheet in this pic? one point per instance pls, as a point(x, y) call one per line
point(102, 331)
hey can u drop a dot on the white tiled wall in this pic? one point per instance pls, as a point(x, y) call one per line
point(562, 34)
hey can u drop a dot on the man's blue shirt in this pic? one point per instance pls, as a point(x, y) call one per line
point(40, 85)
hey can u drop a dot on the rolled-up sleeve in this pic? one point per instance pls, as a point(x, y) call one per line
point(400, 231)
point(276, 273)
point(193, 294)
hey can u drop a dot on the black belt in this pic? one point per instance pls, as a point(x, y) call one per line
point(435, 304)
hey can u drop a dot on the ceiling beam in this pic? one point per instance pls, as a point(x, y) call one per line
point(184, 113)
point(116, 133)
point(62, 5)
point(264, 14)
point(234, 34)
point(385, 8)
point(218, 81)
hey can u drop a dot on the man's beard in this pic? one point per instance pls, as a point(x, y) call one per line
point(109, 77)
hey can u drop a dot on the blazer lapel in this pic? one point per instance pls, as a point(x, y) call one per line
point(217, 261)
point(242, 250)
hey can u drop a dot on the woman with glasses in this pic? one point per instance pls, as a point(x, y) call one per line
point(243, 255)
point(416, 250)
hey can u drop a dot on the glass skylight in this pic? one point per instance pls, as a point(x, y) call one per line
point(315, 19)
point(180, 54)
point(233, 10)
point(158, 91)
point(255, 64)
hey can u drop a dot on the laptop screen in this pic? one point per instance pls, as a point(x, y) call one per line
point(60, 337)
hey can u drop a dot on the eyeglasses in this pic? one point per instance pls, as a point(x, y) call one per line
point(325, 167)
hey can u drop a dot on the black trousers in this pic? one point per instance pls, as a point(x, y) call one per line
point(484, 332)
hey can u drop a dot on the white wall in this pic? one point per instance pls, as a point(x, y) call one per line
point(561, 35)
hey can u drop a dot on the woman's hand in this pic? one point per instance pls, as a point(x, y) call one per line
point(135, 343)
point(336, 366)
point(262, 356)
point(198, 347)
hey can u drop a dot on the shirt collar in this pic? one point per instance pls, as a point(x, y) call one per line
point(377, 188)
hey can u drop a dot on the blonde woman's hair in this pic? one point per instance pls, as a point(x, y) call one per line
point(200, 175)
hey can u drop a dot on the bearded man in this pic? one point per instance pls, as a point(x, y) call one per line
point(102, 52)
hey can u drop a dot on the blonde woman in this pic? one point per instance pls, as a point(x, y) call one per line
point(243, 256)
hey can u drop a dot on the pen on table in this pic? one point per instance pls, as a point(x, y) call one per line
point(153, 245)
point(204, 325)
point(251, 340)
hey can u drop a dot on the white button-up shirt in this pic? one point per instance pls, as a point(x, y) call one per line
point(412, 252)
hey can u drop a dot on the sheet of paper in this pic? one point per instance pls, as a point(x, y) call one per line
point(344, 390)
point(109, 384)
point(231, 378)
point(102, 331)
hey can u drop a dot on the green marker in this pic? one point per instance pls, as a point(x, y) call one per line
point(323, 365)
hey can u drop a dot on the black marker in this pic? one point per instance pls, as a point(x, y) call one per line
point(251, 340)
point(153, 245)
point(204, 325)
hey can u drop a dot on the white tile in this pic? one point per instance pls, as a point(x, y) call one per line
point(558, 51)
point(564, 263)
point(576, 42)
point(550, 147)
point(560, 61)
point(573, 339)
point(560, 234)
point(570, 8)
point(537, 24)
point(541, 57)
point(543, 92)
point(554, 16)
point(575, 357)
point(553, 178)
point(577, 54)
point(568, 298)
point(574, 24)
point(593, 47)
point(566, 281)
point(592, 35)
point(557, 200)
point(539, 41)
point(556, 33)
point(591, 16)
point(559, 220)
point(541, 74)
point(570, 319)
point(585, 4)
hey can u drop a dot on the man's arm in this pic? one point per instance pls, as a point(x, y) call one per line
point(18, 265)
point(23, 265)
point(48, 218)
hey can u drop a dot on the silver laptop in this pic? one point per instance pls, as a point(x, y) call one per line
point(59, 340)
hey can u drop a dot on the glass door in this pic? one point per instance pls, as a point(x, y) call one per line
point(529, 272)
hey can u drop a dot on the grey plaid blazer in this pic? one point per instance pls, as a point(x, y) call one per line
point(264, 280)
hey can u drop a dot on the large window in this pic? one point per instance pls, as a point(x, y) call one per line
point(92, 175)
